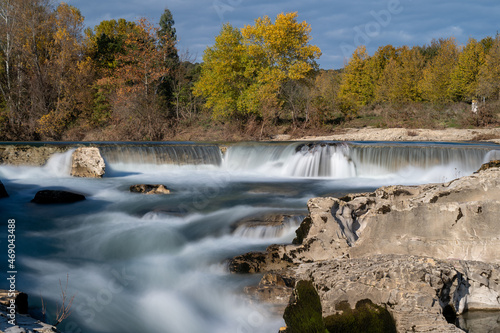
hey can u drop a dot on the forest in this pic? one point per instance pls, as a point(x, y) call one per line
point(123, 80)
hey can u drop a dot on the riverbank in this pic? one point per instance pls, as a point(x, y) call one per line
point(402, 134)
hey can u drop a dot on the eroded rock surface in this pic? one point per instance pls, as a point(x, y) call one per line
point(28, 155)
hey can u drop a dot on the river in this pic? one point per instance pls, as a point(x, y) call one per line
point(156, 263)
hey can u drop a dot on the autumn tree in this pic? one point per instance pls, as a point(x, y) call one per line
point(357, 87)
point(402, 74)
point(489, 75)
point(436, 82)
point(245, 70)
point(136, 80)
point(464, 78)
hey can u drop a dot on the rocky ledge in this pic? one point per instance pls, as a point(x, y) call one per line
point(426, 253)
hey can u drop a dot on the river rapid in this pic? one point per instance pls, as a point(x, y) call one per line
point(156, 263)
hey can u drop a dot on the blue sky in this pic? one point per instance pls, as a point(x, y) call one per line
point(337, 26)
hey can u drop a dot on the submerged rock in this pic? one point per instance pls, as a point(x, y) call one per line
point(87, 162)
point(3, 191)
point(149, 189)
point(56, 197)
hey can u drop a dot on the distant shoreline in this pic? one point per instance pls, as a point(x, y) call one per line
point(403, 134)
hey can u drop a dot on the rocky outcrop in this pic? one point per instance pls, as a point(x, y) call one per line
point(3, 191)
point(20, 300)
point(266, 225)
point(453, 220)
point(149, 189)
point(87, 162)
point(422, 294)
point(29, 155)
point(57, 197)
point(427, 253)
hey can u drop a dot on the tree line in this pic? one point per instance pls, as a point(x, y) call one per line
point(123, 80)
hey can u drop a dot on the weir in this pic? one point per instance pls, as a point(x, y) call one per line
point(195, 154)
point(345, 160)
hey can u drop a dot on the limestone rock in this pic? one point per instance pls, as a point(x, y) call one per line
point(418, 291)
point(3, 191)
point(266, 225)
point(490, 164)
point(29, 155)
point(149, 189)
point(87, 162)
point(274, 289)
point(56, 197)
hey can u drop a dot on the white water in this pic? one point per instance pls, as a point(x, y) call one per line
point(141, 263)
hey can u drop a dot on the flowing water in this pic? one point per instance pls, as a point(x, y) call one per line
point(141, 263)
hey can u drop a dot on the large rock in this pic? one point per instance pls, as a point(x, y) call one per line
point(427, 253)
point(149, 189)
point(419, 292)
point(57, 197)
point(20, 298)
point(87, 162)
point(3, 191)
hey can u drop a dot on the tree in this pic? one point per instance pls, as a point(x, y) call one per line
point(436, 82)
point(489, 75)
point(402, 74)
point(167, 35)
point(357, 87)
point(245, 70)
point(464, 78)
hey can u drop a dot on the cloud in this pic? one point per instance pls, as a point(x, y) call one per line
point(334, 23)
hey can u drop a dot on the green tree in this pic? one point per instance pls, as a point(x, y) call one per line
point(464, 78)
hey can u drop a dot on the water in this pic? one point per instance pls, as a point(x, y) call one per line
point(139, 263)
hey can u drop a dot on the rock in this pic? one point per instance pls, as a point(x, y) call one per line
point(489, 165)
point(274, 289)
point(149, 189)
point(21, 300)
point(417, 291)
point(87, 162)
point(56, 197)
point(266, 226)
point(273, 259)
point(3, 191)
point(29, 155)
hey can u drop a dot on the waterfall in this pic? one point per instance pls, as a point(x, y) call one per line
point(291, 160)
point(192, 154)
point(346, 160)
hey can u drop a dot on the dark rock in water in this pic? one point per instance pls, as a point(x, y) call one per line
point(3, 192)
point(21, 300)
point(248, 263)
point(489, 165)
point(56, 197)
point(149, 189)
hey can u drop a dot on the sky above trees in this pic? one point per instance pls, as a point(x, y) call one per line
point(338, 27)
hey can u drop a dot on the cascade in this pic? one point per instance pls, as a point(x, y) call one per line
point(194, 154)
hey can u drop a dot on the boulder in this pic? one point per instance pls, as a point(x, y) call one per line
point(87, 162)
point(56, 197)
point(149, 189)
point(3, 191)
